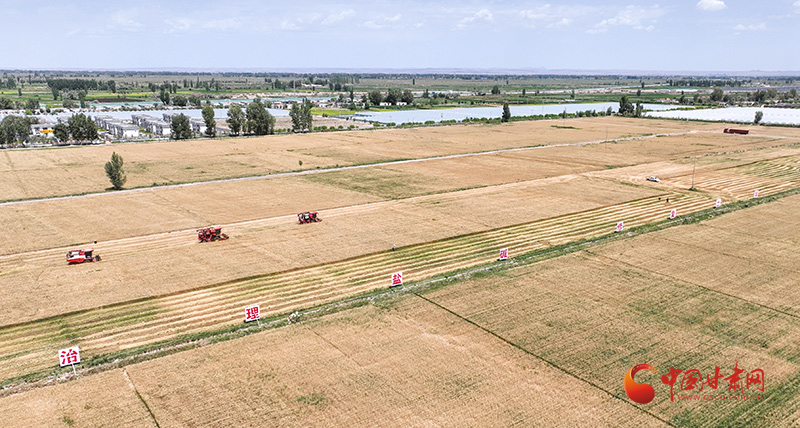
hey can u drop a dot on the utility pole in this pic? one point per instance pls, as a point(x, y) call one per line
point(694, 168)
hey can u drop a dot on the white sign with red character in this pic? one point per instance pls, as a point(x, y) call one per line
point(755, 194)
point(252, 313)
point(719, 203)
point(673, 214)
point(69, 357)
point(397, 279)
point(504, 254)
point(620, 226)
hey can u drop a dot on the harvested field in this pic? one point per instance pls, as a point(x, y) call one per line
point(667, 299)
point(407, 364)
point(61, 171)
point(26, 346)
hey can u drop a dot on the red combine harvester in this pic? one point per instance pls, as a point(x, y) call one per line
point(75, 257)
point(736, 131)
point(211, 234)
point(308, 217)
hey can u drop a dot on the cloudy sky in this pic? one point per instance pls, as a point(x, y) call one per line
point(705, 35)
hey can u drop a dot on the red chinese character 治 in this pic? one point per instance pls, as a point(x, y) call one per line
point(68, 356)
point(670, 378)
point(713, 381)
point(735, 380)
point(690, 379)
point(756, 377)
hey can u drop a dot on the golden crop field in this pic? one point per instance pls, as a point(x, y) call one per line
point(156, 283)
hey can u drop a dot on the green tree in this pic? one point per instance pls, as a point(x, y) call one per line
point(115, 172)
point(6, 103)
point(61, 132)
point(208, 118)
point(625, 106)
point(301, 115)
point(15, 129)
point(495, 90)
point(180, 100)
point(717, 95)
point(181, 129)
point(793, 93)
point(506, 113)
point(259, 121)
point(523, 92)
point(759, 116)
point(55, 93)
point(82, 128)
point(407, 97)
point(164, 96)
point(375, 97)
point(393, 96)
point(112, 85)
point(639, 109)
point(32, 104)
point(235, 119)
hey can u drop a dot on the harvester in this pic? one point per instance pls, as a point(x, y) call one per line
point(308, 217)
point(80, 256)
point(209, 234)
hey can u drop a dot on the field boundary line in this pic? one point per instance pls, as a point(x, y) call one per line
point(328, 169)
point(539, 357)
point(144, 403)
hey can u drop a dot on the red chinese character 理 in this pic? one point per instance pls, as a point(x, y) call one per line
point(735, 380)
point(252, 313)
point(756, 377)
point(670, 378)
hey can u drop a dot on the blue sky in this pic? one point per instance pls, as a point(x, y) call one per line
point(705, 35)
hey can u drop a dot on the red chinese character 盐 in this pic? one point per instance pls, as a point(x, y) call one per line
point(397, 279)
point(504, 254)
point(756, 377)
point(670, 378)
point(735, 380)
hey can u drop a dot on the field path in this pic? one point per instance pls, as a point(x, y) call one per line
point(341, 168)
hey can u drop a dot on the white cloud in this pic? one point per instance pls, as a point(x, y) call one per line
point(750, 27)
point(178, 25)
point(796, 6)
point(482, 15)
point(372, 25)
point(555, 17)
point(634, 17)
point(711, 5)
point(125, 19)
point(289, 25)
point(222, 24)
point(338, 17)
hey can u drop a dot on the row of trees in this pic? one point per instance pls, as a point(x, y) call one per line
point(393, 96)
point(16, 129)
point(254, 120)
point(301, 116)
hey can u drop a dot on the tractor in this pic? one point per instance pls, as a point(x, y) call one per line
point(209, 234)
point(308, 217)
point(75, 257)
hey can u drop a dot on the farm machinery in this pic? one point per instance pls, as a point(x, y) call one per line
point(75, 257)
point(209, 234)
point(308, 217)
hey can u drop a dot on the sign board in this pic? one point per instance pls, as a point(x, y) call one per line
point(755, 194)
point(503, 254)
point(620, 226)
point(252, 313)
point(673, 214)
point(69, 356)
point(719, 203)
point(397, 279)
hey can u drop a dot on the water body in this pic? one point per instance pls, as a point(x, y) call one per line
point(438, 115)
point(775, 116)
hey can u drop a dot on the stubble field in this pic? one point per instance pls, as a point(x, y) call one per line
point(156, 283)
